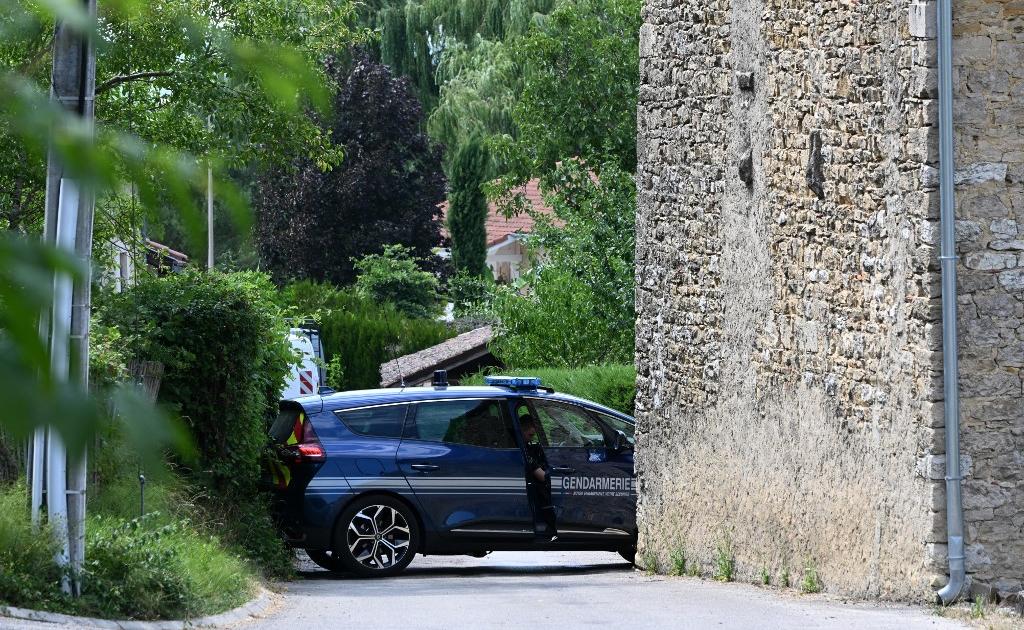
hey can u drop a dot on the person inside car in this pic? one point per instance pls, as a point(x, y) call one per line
point(537, 468)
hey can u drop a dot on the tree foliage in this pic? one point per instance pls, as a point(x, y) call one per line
point(576, 128)
point(467, 209)
point(164, 68)
point(395, 277)
point(575, 307)
point(312, 223)
point(415, 34)
point(580, 79)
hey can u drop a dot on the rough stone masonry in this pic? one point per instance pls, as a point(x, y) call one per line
point(789, 329)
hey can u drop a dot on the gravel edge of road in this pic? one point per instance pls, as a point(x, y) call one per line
point(259, 604)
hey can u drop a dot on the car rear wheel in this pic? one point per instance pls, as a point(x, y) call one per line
point(376, 536)
point(325, 560)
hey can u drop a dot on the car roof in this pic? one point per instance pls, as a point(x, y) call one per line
point(364, 397)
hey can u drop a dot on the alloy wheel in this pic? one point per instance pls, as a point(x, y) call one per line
point(378, 537)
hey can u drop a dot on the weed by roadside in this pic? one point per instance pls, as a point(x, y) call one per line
point(725, 564)
point(978, 608)
point(784, 577)
point(677, 559)
point(766, 577)
point(810, 583)
point(650, 562)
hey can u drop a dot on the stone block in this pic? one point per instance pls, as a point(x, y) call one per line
point(1012, 280)
point(921, 19)
point(1004, 228)
point(980, 173)
point(934, 466)
point(990, 261)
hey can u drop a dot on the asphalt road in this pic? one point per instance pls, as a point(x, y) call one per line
point(533, 591)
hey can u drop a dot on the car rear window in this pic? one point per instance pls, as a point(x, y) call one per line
point(386, 421)
point(283, 425)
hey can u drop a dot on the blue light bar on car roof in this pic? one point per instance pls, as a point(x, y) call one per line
point(514, 382)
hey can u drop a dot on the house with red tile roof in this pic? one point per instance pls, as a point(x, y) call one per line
point(506, 252)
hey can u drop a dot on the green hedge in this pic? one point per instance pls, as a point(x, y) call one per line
point(223, 342)
point(364, 334)
point(611, 385)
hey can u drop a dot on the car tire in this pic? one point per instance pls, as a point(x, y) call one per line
point(628, 554)
point(376, 536)
point(325, 560)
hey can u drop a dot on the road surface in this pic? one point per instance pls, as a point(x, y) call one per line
point(534, 591)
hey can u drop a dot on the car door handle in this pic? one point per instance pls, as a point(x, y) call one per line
point(563, 469)
point(425, 467)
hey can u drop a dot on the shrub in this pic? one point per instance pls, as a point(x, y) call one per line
point(395, 277)
point(145, 570)
point(364, 334)
point(222, 340)
point(610, 385)
point(28, 575)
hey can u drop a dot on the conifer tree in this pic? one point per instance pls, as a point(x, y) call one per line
point(467, 210)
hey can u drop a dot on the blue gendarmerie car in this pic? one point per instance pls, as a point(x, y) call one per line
point(367, 479)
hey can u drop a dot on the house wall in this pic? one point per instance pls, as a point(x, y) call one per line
point(786, 339)
point(789, 335)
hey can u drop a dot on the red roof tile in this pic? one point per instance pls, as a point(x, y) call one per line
point(498, 227)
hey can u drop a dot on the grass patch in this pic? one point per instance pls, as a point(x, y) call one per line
point(610, 385)
point(725, 564)
point(784, 577)
point(810, 583)
point(766, 577)
point(677, 562)
point(144, 568)
point(693, 570)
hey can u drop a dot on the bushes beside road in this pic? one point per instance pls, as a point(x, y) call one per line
point(359, 334)
point(611, 385)
point(151, 568)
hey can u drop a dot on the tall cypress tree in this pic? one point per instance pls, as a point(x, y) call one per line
point(467, 208)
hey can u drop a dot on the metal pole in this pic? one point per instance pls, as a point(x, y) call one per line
point(209, 204)
point(69, 218)
point(947, 260)
point(56, 460)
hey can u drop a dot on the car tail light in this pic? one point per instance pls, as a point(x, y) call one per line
point(308, 447)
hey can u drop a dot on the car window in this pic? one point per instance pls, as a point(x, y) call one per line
point(470, 422)
point(567, 426)
point(618, 424)
point(386, 421)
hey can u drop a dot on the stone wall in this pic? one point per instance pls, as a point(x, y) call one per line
point(989, 122)
point(789, 336)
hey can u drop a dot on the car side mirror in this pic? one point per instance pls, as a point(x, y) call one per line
point(620, 442)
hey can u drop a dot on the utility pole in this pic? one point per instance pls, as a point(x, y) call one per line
point(68, 225)
point(209, 203)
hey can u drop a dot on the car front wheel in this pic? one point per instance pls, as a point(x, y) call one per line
point(376, 536)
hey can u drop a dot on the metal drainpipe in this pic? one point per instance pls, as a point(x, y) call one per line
point(948, 258)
